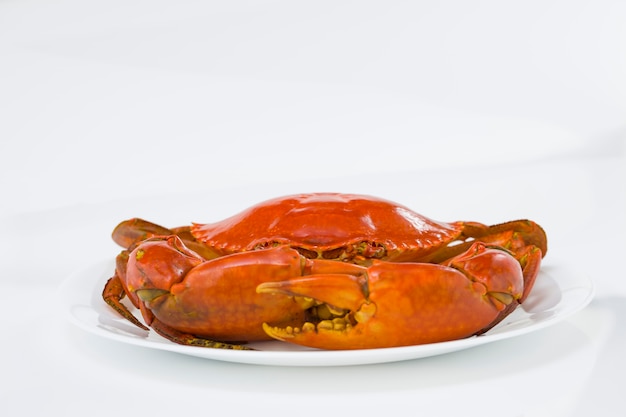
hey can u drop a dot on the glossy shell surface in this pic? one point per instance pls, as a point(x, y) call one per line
point(327, 221)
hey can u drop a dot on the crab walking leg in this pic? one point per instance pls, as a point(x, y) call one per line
point(406, 304)
point(512, 235)
point(130, 233)
point(133, 231)
point(113, 294)
point(115, 290)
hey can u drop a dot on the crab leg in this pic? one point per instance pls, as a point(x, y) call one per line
point(113, 294)
point(525, 239)
point(129, 233)
point(515, 236)
point(405, 304)
point(115, 291)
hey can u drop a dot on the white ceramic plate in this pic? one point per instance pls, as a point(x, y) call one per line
point(559, 292)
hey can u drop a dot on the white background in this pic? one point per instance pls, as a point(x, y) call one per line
point(487, 111)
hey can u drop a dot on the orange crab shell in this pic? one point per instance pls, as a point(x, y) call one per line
point(332, 226)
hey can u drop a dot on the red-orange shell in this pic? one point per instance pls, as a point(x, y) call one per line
point(325, 221)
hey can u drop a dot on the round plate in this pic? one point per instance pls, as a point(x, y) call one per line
point(559, 292)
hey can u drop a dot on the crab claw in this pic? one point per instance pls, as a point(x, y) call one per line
point(399, 304)
point(180, 293)
point(154, 267)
